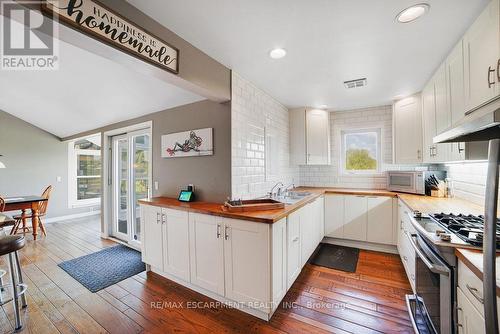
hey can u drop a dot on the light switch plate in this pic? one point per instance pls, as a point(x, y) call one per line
point(156, 185)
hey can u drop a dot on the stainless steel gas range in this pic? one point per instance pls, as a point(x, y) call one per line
point(433, 306)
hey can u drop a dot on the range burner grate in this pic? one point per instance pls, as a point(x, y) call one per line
point(469, 228)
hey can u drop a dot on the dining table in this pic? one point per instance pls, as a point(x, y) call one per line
point(24, 203)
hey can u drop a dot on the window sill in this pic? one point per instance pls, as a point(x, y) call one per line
point(85, 205)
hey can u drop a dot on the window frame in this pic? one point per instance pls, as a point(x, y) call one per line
point(73, 201)
point(378, 130)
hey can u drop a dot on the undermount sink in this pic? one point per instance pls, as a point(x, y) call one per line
point(298, 194)
point(292, 197)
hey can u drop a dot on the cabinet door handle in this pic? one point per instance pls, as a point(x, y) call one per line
point(226, 234)
point(157, 218)
point(163, 218)
point(460, 149)
point(419, 154)
point(490, 70)
point(295, 239)
point(218, 231)
point(405, 258)
point(430, 151)
point(498, 70)
point(475, 293)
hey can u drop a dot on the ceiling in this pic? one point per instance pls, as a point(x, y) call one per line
point(87, 92)
point(328, 42)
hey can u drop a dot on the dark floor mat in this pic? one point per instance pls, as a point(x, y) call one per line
point(336, 257)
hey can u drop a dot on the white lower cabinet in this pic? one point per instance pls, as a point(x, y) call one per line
point(250, 263)
point(360, 218)
point(176, 243)
point(247, 264)
point(379, 220)
point(334, 216)
point(405, 249)
point(152, 243)
point(294, 265)
point(470, 321)
point(166, 240)
point(355, 218)
point(206, 252)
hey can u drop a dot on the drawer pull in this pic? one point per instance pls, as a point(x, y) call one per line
point(475, 293)
point(491, 70)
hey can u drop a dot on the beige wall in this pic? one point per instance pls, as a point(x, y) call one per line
point(211, 175)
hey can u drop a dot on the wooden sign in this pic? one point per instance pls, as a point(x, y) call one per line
point(100, 22)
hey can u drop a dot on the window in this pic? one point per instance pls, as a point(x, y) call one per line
point(85, 171)
point(361, 151)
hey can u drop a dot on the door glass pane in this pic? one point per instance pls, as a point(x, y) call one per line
point(122, 184)
point(140, 179)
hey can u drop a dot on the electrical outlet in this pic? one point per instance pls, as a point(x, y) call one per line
point(59, 179)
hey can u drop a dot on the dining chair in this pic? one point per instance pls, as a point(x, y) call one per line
point(42, 211)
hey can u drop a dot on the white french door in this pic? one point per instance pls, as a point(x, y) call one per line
point(131, 181)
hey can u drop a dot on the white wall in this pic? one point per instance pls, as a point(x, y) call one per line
point(331, 176)
point(259, 140)
point(34, 160)
point(469, 180)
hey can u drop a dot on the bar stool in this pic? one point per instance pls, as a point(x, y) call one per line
point(9, 245)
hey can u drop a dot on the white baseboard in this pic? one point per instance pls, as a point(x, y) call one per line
point(68, 217)
point(362, 245)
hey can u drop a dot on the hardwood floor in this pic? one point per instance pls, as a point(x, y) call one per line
point(322, 300)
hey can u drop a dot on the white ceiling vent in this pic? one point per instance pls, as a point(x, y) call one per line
point(355, 83)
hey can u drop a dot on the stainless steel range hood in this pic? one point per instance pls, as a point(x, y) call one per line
point(478, 125)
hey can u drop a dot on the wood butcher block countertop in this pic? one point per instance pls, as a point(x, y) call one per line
point(268, 216)
point(424, 204)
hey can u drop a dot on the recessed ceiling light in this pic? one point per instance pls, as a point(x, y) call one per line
point(277, 53)
point(412, 13)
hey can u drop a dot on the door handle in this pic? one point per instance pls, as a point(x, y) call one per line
point(226, 235)
point(475, 293)
point(490, 70)
point(498, 70)
point(218, 231)
point(163, 218)
point(437, 269)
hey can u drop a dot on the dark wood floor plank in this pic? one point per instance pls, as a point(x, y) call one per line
point(322, 300)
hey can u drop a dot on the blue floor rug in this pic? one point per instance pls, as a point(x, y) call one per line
point(101, 269)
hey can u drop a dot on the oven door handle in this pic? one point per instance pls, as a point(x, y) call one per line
point(437, 269)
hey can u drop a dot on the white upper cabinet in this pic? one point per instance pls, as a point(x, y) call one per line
point(481, 54)
point(429, 121)
point(407, 120)
point(309, 137)
point(432, 152)
point(455, 81)
point(443, 115)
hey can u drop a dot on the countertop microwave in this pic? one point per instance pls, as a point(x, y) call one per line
point(412, 182)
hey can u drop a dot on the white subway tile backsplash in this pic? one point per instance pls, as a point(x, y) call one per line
point(252, 112)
